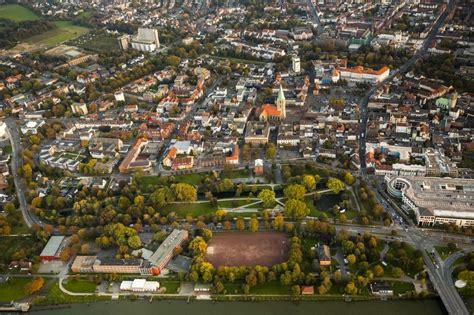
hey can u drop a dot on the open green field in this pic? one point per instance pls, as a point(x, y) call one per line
point(100, 43)
point(13, 290)
point(236, 203)
point(171, 286)
point(64, 31)
point(56, 296)
point(17, 13)
point(270, 288)
point(80, 286)
point(400, 287)
point(195, 209)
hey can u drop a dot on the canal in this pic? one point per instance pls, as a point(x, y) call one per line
point(405, 307)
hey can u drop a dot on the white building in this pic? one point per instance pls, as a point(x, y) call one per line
point(140, 285)
point(435, 200)
point(296, 64)
point(364, 75)
point(3, 129)
point(32, 126)
point(146, 40)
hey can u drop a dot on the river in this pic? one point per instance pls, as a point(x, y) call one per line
point(395, 307)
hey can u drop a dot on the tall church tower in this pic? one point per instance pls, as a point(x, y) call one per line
point(281, 103)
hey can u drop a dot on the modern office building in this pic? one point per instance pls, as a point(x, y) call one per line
point(435, 200)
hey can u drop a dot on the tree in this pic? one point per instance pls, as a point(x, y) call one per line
point(294, 191)
point(349, 178)
point(253, 226)
point(162, 196)
point(335, 185)
point(185, 192)
point(378, 271)
point(397, 272)
point(268, 198)
point(296, 209)
point(351, 259)
point(271, 151)
point(134, 242)
point(278, 222)
point(219, 287)
point(309, 182)
point(27, 171)
point(351, 288)
point(34, 285)
point(295, 290)
point(240, 224)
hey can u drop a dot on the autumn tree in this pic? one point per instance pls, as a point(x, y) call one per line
point(294, 191)
point(34, 285)
point(309, 182)
point(296, 209)
point(278, 223)
point(240, 224)
point(268, 198)
point(335, 185)
point(253, 226)
point(185, 192)
point(271, 151)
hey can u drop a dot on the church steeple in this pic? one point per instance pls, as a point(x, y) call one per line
point(281, 103)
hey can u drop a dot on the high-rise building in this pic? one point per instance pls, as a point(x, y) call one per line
point(281, 103)
point(124, 42)
point(146, 40)
point(296, 64)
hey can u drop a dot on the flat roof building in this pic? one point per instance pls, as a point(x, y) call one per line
point(166, 251)
point(53, 248)
point(435, 200)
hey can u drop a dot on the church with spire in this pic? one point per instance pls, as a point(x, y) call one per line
point(272, 112)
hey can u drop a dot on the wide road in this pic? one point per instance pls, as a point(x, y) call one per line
point(17, 162)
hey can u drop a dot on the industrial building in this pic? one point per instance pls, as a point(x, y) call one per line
point(54, 247)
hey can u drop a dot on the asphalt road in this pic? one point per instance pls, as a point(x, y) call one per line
point(17, 162)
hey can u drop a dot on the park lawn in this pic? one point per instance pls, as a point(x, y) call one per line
point(64, 31)
point(171, 286)
point(13, 290)
point(233, 288)
point(242, 173)
point(17, 13)
point(56, 296)
point(270, 288)
point(195, 209)
point(80, 286)
point(444, 252)
point(191, 179)
point(400, 287)
point(235, 203)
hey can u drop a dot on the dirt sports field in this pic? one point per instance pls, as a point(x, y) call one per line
point(247, 249)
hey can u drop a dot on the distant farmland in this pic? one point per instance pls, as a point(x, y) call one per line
point(17, 13)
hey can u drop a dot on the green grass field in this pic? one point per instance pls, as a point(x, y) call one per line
point(64, 31)
point(80, 286)
point(17, 13)
point(444, 252)
point(195, 209)
point(235, 203)
point(13, 290)
point(170, 285)
point(400, 287)
point(270, 288)
point(56, 296)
